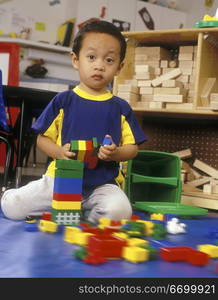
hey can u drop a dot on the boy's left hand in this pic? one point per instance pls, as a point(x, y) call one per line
point(106, 152)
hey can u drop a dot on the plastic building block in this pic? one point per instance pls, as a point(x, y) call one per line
point(66, 217)
point(211, 250)
point(81, 238)
point(121, 235)
point(159, 232)
point(46, 216)
point(107, 141)
point(31, 226)
point(80, 253)
point(66, 205)
point(69, 233)
point(197, 258)
point(158, 217)
point(148, 227)
point(67, 197)
point(105, 246)
point(172, 254)
point(47, 226)
point(153, 253)
point(104, 221)
point(135, 254)
point(186, 254)
point(136, 242)
point(94, 259)
point(174, 227)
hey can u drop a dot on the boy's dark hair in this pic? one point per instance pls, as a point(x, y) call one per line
point(99, 27)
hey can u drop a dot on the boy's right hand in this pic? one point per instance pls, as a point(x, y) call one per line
point(65, 152)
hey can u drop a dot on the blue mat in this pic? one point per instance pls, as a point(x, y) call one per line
point(36, 254)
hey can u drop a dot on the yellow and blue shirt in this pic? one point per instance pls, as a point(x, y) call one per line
point(77, 115)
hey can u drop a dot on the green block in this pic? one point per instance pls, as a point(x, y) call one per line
point(74, 145)
point(80, 253)
point(68, 164)
point(66, 217)
point(95, 142)
point(153, 253)
point(61, 173)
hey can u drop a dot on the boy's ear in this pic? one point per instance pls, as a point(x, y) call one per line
point(74, 60)
point(120, 68)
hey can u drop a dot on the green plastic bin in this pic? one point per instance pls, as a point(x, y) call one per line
point(153, 183)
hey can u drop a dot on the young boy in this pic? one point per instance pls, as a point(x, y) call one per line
point(87, 111)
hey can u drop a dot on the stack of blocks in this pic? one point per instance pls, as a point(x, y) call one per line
point(67, 194)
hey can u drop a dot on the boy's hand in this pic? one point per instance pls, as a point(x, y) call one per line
point(106, 152)
point(65, 152)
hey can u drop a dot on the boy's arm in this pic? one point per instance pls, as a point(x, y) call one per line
point(114, 153)
point(53, 150)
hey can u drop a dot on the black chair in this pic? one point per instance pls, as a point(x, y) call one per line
point(7, 138)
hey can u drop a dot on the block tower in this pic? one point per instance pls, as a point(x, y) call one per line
point(67, 193)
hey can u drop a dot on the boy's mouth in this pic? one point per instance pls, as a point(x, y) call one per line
point(97, 77)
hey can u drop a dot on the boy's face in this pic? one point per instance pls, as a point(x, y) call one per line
point(98, 62)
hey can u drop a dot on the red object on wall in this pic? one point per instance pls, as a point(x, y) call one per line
point(13, 79)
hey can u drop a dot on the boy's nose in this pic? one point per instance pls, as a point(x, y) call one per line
point(99, 66)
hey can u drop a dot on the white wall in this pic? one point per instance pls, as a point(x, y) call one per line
point(16, 14)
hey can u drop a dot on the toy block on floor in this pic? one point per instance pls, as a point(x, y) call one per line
point(211, 250)
point(48, 226)
point(135, 254)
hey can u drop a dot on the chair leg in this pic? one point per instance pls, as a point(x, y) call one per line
point(7, 163)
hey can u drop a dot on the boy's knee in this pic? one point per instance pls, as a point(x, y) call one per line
point(10, 205)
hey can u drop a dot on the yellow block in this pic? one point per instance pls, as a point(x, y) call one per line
point(105, 221)
point(121, 235)
point(70, 234)
point(81, 238)
point(47, 226)
point(148, 226)
point(135, 254)
point(158, 217)
point(211, 250)
point(66, 205)
point(82, 150)
point(134, 242)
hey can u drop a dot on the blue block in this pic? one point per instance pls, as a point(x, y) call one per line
point(107, 141)
point(68, 185)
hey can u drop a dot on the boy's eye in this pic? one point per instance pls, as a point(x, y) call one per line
point(109, 60)
point(91, 57)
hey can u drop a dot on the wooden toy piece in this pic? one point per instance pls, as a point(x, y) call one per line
point(168, 98)
point(186, 153)
point(206, 168)
point(208, 88)
point(170, 75)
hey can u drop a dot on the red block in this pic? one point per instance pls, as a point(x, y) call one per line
point(175, 253)
point(106, 246)
point(198, 258)
point(94, 259)
point(46, 216)
point(67, 197)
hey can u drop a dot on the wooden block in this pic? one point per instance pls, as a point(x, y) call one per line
point(214, 97)
point(168, 91)
point(146, 98)
point(141, 104)
point(131, 81)
point(157, 71)
point(146, 90)
point(154, 63)
point(164, 63)
point(183, 78)
point(157, 52)
point(168, 98)
point(144, 83)
point(153, 104)
point(184, 153)
point(143, 76)
point(143, 68)
point(172, 83)
point(206, 168)
point(186, 49)
point(208, 87)
point(142, 56)
point(129, 97)
point(170, 75)
point(186, 64)
point(166, 70)
point(173, 63)
point(207, 189)
point(199, 182)
point(185, 56)
point(214, 105)
point(186, 71)
point(127, 88)
point(179, 106)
